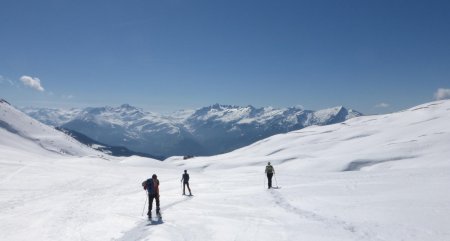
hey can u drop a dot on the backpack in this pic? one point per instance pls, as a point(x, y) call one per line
point(185, 177)
point(148, 185)
point(269, 169)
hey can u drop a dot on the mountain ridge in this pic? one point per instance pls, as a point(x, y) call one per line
point(16, 125)
point(208, 130)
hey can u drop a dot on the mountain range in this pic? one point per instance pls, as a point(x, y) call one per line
point(370, 178)
point(206, 131)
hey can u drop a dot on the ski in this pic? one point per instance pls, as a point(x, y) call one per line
point(155, 220)
point(274, 188)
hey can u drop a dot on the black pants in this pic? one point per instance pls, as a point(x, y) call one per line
point(184, 186)
point(150, 202)
point(269, 179)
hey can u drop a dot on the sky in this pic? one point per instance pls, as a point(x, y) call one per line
point(373, 56)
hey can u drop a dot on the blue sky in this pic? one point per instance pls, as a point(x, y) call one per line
point(374, 56)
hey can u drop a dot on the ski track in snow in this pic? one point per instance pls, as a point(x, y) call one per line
point(10, 176)
point(333, 223)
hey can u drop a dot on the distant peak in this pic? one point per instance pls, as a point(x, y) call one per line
point(127, 106)
point(336, 109)
point(4, 101)
point(297, 107)
point(340, 107)
point(300, 107)
point(218, 106)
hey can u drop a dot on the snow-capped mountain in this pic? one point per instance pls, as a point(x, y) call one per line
point(52, 116)
point(17, 128)
point(417, 137)
point(370, 178)
point(222, 128)
point(206, 131)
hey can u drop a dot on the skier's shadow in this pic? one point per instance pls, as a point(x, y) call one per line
point(160, 221)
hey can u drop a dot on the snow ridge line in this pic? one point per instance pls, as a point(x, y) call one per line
point(357, 165)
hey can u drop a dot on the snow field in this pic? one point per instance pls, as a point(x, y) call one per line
point(380, 178)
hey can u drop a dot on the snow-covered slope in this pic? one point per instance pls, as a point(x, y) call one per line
point(206, 131)
point(411, 138)
point(380, 178)
point(14, 125)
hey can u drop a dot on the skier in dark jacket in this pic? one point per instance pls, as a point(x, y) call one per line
point(152, 187)
point(269, 171)
point(185, 180)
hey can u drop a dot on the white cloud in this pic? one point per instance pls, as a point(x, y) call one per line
point(382, 105)
point(442, 94)
point(34, 83)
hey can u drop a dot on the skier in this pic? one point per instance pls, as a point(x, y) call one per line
point(185, 180)
point(269, 171)
point(152, 187)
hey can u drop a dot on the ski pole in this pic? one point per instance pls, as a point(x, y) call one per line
point(144, 204)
